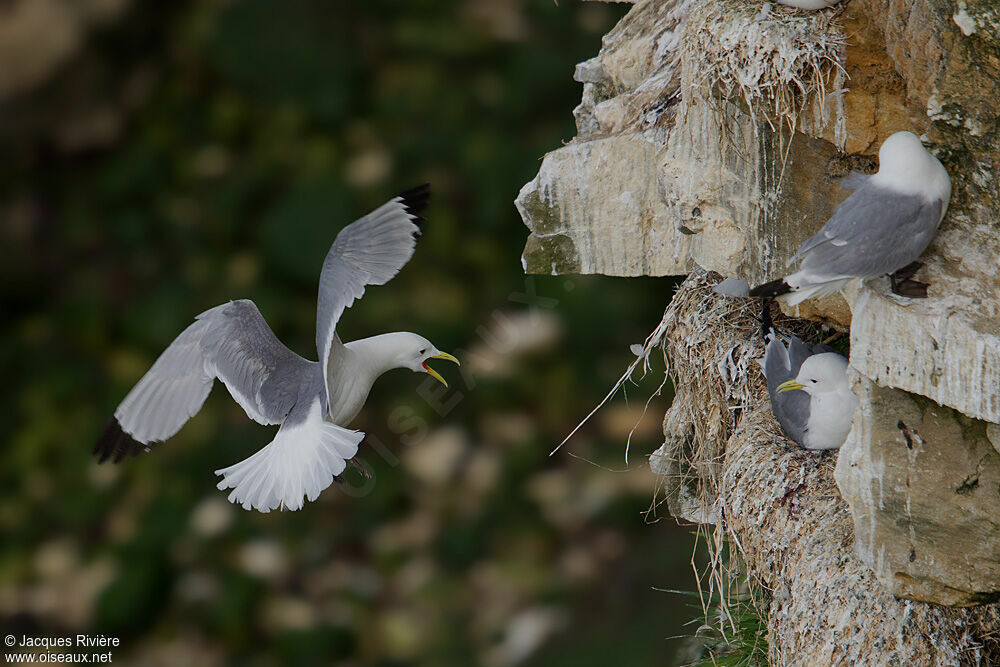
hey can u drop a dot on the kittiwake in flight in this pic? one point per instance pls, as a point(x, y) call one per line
point(314, 402)
point(883, 227)
point(808, 387)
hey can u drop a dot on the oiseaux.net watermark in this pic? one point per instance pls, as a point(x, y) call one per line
point(76, 649)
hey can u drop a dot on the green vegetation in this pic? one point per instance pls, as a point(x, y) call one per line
point(731, 632)
point(739, 640)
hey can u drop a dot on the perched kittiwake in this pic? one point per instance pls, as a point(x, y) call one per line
point(808, 387)
point(313, 401)
point(883, 227)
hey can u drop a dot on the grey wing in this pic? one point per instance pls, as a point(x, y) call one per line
point(781, 364)
point(369, 251)
point(231, 342)
point(776, 363)
point(854, 180)
point(798, 352)
point(873, 231)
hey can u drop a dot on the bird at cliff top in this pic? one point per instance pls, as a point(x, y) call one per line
point(312, 401)
point(883, 227)
point(808, 387)
point(809, 4)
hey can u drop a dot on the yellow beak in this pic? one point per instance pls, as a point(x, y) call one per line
point(791, 385)
point(433, 373)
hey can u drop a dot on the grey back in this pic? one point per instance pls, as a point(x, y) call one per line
point(874, 231)
point(790, 408)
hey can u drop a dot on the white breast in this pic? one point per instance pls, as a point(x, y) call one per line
point(831, 415)
point(350, 391)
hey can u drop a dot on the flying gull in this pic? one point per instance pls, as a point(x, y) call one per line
point(883, 227)
point(808, 387)
point(312, 401)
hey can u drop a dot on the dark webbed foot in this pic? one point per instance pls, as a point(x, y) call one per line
point(766, 324)
point(902, 284)
point(911, 288)
point(772, 289)
point(907, 271)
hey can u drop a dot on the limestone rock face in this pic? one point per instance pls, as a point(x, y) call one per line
point(925, 499)
point(713, 137)
point(781, 508)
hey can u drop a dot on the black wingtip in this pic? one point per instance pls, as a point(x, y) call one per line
point(415, 201)
point(771, 289)
point(114, 442)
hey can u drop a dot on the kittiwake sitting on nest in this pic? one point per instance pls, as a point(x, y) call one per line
point(883, 227)
point(808, 387)
point(312, 401)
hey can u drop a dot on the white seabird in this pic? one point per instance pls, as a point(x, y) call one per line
point(883, 227)
point(809, 4)
point(312, 401)
point(809, 393)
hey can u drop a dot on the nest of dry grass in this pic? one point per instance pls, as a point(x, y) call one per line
point(712, 344)
point(777, 534)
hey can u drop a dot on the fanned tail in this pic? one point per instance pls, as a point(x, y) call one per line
point(303, 459)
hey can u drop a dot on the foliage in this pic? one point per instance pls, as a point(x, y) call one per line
point(196, 152)
point(731, 627)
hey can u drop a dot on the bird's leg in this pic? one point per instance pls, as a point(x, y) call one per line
point(766, 324)
point(901, 282)
point(362, 469)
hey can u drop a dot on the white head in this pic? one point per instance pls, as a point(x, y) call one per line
point(819, 374)
point(408, 350)
point(904, 165)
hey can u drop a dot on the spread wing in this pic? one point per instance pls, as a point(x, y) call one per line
point(873, 231)
point(369, 251)
point(231, 342)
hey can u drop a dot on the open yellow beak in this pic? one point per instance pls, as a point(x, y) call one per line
point(791, 385)
point(433, 373)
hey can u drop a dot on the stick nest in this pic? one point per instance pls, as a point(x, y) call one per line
point(713, 344)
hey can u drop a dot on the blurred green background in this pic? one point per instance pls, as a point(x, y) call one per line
point(161, 158)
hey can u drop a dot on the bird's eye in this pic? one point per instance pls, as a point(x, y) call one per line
point(424, 351)
point(814, 381)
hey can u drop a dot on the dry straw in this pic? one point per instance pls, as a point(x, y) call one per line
point(713, 344)
point(773, 63)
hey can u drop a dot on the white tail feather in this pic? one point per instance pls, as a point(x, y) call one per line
point(301, 461)
point(803, 288)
